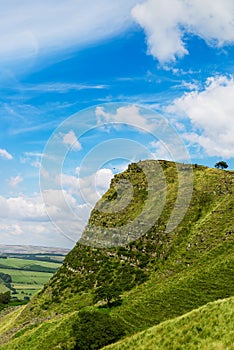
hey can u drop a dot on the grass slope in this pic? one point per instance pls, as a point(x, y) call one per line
point(48, 335)
point(207, 328)
point(161, 275)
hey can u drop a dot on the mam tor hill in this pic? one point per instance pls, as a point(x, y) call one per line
point(103, 293)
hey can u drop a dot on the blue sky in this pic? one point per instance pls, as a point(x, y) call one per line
point(57, 59)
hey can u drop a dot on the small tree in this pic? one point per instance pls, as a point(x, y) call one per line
point(5, 297)
point(107, 292)
point(221, 165)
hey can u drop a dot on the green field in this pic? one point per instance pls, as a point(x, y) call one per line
point(28, 276)
point(16, 263)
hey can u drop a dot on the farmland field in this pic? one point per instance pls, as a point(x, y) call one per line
point(27, 276)
point(16, 263)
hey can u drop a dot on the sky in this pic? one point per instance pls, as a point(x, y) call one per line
point(88, 87)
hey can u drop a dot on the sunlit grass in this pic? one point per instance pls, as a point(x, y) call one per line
point(208, 328)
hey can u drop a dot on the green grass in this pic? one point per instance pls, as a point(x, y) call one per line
point(162, 298)
point(8, 318)
point(207, 328)
point(42, 335)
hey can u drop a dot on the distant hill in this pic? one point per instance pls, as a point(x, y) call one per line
point(157, 276)
point(30, 249)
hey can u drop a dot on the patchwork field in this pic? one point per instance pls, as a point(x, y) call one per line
point(27, 276)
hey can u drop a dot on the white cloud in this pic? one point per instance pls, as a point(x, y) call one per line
point(69, 205)
point(5, 154)
point(31, 233)
point(30, 29)
point(13, 229)
point(160, 151)
point(70, 139)
point(166, 22)
point(32, 158)
point(129, 115)
point(14, 181)
point(211, 112)
point(88, 189)
point(27, 218)
point(103, 178)
point(22, 208)
point(61, 87)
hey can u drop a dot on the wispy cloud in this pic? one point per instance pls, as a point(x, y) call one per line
point(5, 154)
point(42, 126)
point(35, 29)
point(16, 180)
point(61, 87)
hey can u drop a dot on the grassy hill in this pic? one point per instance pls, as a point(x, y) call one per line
point(209, 327)
point(159, 275)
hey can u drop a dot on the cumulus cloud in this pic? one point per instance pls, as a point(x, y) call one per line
point(69, 207)
point(23, 208)
point(30, 29)
point(90, 188)
point(160, 151)
point(70, 139)
point(5, 154)
point(167, 22)
point(50, 225)
point(211, 112)
point(31, 233)
point(124, 115)
point(57, 216)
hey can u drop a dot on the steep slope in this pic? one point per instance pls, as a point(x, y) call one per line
point(159, 274)
point(209, 327)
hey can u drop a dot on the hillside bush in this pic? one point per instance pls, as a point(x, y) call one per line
point(94, 329)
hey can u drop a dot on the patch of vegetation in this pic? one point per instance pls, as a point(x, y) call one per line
point(4, 299)
point(94, 329)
